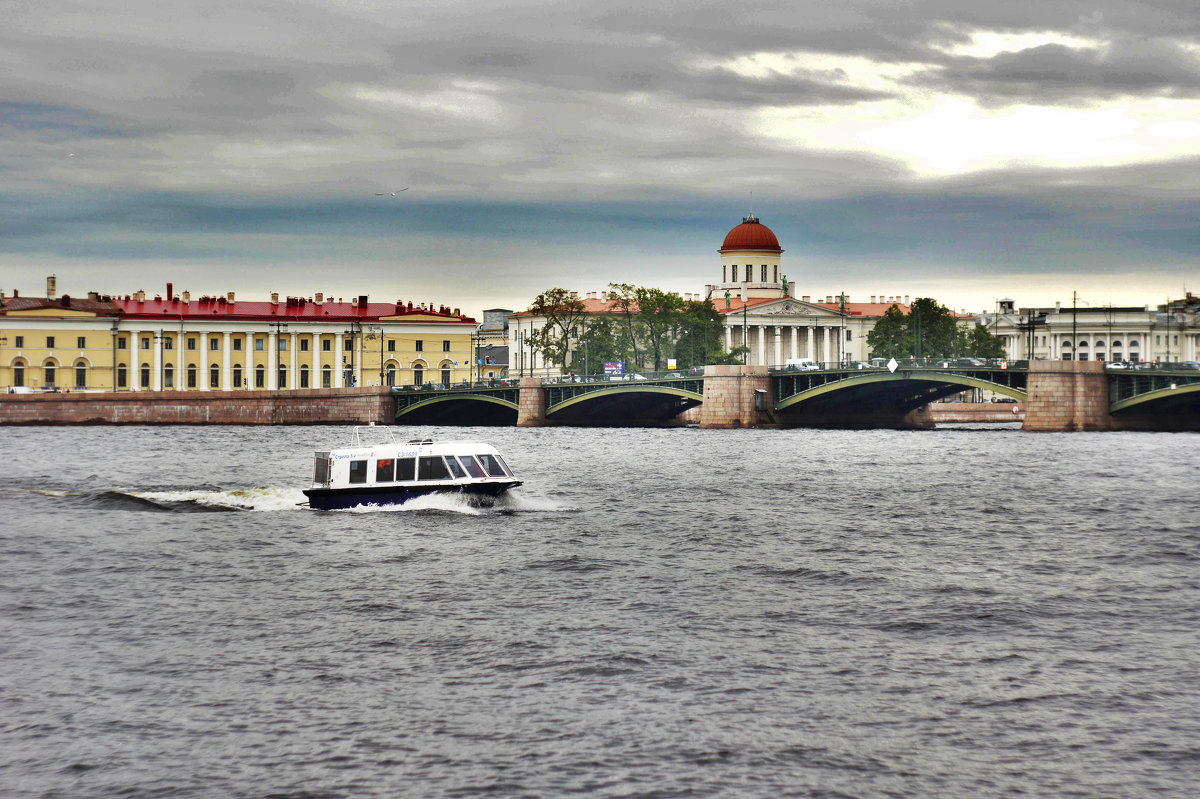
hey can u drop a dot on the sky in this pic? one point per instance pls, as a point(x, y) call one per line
point(965, 151)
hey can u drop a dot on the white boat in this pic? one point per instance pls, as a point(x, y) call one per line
point(393, 472)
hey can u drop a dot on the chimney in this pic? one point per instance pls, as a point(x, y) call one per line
point(319, 297)
point(872, 299)
point(362, 301)
point(186, 297)
point(456, 313)
point(229, 298)
point(140, 296)
point(906, 299)
point(170, 292)
point(274, 297)
point(51, 287)
point(805, 298)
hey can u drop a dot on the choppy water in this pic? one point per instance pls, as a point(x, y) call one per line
point(958, 613)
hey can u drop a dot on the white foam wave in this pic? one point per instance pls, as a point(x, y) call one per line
point(451, 503)
point(253, 499)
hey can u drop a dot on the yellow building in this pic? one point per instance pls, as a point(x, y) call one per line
point(210, 343)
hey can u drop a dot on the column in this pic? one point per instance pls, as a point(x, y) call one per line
point(156, 381)
point(762, 345)
point(812, 344)
point(202, 377)
point(294, 377)
point(825, 331)
point(778, 345)
point(180, 363)
point(227, 362)
point(339, 377)
point(272, 357)
point(795, 335)
point(728, 338)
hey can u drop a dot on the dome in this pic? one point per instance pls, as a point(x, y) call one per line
point(751, 235)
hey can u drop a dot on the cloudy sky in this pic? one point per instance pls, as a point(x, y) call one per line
point(966, 151)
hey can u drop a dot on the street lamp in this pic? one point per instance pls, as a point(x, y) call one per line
point(348, 375)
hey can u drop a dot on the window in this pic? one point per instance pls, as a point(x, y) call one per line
point(406, 469)
point(122, 376)
point(169, 376)
point(385, 470)
point(326, 376)
point(724, 273)
point(81, 343)
point(49, 342)
point(237, 376)
point(81, 375)
point(304, 376)
point(282, 377)
point(495, 467)
point(1158, 340)
point(420, 345)
point(418, 376)
point(237, 345)
point(391, 374)
point(776, 273)
point(445, 346)
point(749, 272)
point(144, 376)
point(260, 376)
point(445, 377)
point(304, 345)
point(326, 345)
point(168, 343)
point(847, 335)
point(145, 342)
point(214, 343)
point(20, 342)
point(191, 342)
point(391, 345)
point(321, 470)
point(191, 375)
point(472, 466)
point(764, 273)
point(19, 373)
point(214, 377)
point(122, 343)
point(260, 344)
point(50, 374)
point(358, 471)
point(432, 467)
point(456, 468)
point(282, 342)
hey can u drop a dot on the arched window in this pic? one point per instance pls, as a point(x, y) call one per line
point(1099, 343)
point(122, 376)
point(1083, 344)
point(390, 375)
point(237, 375)
point(144, 377)
point(326, 376)
point(214, 376)
point(50, 369)
point(80, 374)
point(1066, 344)
point(304, 382)
point(1116, 342)
point(1133, 344)
point(446, 373)
point(169, 376)
point(260, 376)
point(19, 373)
point(418, 375)
point(191, 375)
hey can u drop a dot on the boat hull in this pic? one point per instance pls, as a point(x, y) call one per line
point(343, 498)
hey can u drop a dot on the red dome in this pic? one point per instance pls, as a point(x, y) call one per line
point(751, 235)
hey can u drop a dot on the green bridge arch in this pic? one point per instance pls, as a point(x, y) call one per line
point(425, 409)
point(1156, 395)
point(609, 391)
point(900, 376)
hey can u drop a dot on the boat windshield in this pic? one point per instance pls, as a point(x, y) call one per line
point(494, 466)
point(432, 467)
point(456, 468)
point(472, 466)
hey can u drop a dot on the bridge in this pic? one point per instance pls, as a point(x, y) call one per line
point(1058, 395)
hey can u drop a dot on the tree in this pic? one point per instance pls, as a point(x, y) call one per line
point(979, 343)
point(658, 313)
point(564, 313)
point(928, 330)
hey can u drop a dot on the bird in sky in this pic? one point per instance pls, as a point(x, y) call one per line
point(393, 194)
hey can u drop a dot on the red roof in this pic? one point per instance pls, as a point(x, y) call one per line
point(750, 235)
point(299, 309)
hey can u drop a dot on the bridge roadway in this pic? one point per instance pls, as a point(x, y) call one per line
point(835, 396)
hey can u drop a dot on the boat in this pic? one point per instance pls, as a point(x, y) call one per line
point(393, 472)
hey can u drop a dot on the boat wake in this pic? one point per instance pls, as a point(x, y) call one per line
point(466, 504)
point(250, 499)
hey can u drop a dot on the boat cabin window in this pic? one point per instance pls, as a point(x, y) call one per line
point(358, 471)
point(495, 467)
point(456, 468)
point(385, 470)
point(406, 469)
point(321, 470)
point(432, 467)
point(472, 466)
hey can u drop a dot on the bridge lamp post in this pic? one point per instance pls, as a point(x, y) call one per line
point(351, 334)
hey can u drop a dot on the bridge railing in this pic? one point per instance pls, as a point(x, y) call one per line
point(881, 364)
point(679, 374)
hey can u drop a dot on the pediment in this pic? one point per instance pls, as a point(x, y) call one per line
point(796, 308)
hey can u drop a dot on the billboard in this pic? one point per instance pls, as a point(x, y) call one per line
point(614, 368)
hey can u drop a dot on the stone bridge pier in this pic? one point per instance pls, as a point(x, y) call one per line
point(1066, 396)
point(737, 396)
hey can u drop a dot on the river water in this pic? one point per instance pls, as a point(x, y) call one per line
point(962, 612)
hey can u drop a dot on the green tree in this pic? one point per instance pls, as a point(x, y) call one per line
point(977, 342)
point(890, 337)
point(623, 297)
point(658, 318)
point(928, 330)
point(564, 313)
